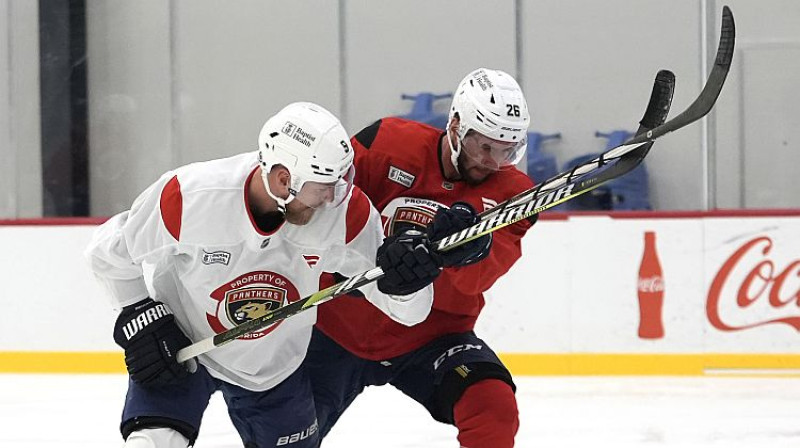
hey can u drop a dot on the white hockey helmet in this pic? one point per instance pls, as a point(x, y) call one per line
point(311, 143)
point(491, 103)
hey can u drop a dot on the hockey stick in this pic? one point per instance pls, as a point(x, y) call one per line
point(655, 114)
point(556, 190)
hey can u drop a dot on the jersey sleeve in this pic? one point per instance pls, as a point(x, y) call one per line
point(145, 233)
point(364, 236)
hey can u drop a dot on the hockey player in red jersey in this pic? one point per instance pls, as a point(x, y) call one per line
point(412, 173)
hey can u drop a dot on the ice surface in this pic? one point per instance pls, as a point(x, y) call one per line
point(663, 412)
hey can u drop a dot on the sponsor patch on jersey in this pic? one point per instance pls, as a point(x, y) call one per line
point(403, 178)
point(220, 257)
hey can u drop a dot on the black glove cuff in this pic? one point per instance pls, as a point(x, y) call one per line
point(133, 319)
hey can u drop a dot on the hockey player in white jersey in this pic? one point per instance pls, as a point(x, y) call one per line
point(229, 240)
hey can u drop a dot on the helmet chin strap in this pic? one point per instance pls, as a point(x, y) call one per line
point(454, 152)
point(280, 201)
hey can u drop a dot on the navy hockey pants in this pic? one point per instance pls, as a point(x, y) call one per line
point(338, 376)
point(281, 416)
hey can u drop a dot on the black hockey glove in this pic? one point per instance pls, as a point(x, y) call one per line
point(449, 221)
point(151, 339)
point(407, 263)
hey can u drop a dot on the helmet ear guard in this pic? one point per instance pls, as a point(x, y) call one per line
point(312, 145)
point(491, 103)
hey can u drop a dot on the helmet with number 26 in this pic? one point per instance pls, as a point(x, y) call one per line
point(311, 143)
point(490, 102)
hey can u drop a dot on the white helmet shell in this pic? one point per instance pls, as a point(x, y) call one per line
point(491, 103)
point(310, 142)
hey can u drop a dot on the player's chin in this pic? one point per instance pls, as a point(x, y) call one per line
point(477, 175)
point(299, 216)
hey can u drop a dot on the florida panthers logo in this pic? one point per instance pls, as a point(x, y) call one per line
point(251, 310)
point(404, 213)
point(250, 296)
point(249, 303)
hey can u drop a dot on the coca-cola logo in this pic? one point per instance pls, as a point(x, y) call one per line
point(764, 283)
point(651, 284)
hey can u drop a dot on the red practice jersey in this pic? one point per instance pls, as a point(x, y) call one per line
point(398, 166)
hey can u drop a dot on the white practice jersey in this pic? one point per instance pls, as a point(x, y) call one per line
point(215, 269)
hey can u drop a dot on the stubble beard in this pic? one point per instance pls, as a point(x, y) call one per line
point(471, 176)
point(298, 214)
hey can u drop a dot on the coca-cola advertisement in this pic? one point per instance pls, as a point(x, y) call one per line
point(650, 291)
point(704, 284)
point(753, 281)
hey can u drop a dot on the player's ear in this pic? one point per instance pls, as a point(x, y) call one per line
point(453, 123)
point(452, 130)
point(279, 180)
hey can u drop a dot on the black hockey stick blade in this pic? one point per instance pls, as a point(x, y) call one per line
point(656, 113)
point(708, 96)
point(660, 101)
point(656, 110)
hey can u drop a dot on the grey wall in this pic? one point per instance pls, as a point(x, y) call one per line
point(176, 81)
point(418, 45)
point(130, 99)
point(20, 142)
point(173, 82)
point(758, 117)
point(590, 66)
point(234, 67)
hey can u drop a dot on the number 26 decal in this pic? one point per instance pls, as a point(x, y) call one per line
point(513, 110)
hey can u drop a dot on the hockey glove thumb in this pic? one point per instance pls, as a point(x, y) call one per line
point(407, 263)
point(151, 339)
point(448, 221)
